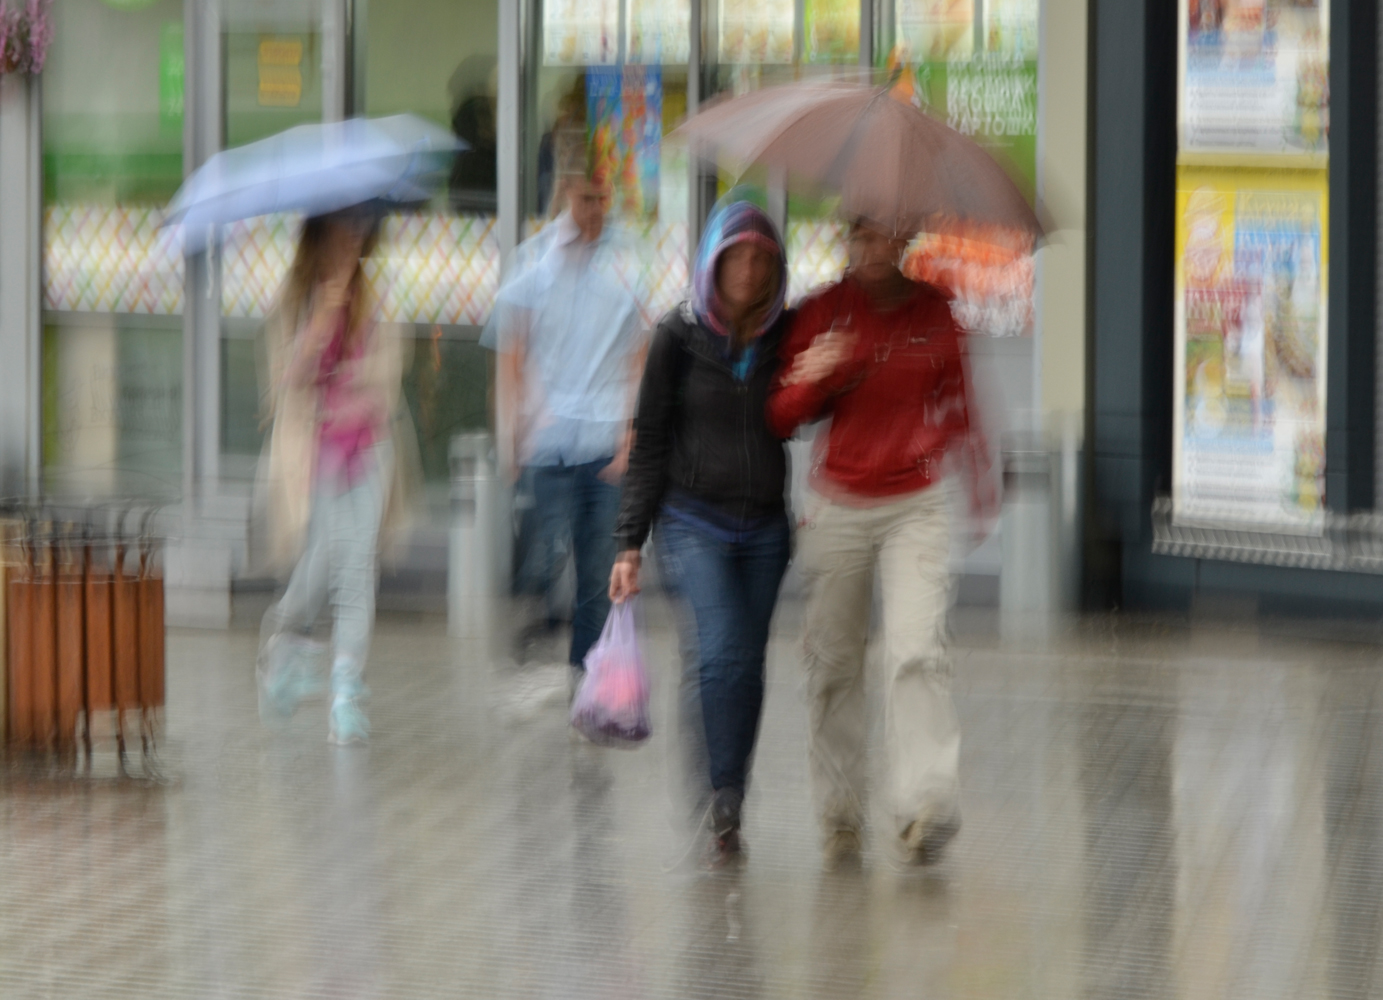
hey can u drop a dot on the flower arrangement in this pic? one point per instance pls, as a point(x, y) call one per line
point(25, 33)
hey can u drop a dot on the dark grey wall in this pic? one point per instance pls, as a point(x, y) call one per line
point(1349, 430)
point(1133, 115)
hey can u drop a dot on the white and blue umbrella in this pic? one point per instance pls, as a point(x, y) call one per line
point(314, 169)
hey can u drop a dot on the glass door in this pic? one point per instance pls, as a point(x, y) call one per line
point(272, 80)
point(112, 284)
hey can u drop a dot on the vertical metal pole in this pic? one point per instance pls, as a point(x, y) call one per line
point(21, 282)
point(694, 87)
point(867, 34)
point(335, 60)
point(33, 369)
point(799, 31)
point(701, 69)
point(622, 35)
point(203, 131)
point(1378, 302)
point(509, 158)
point(694, 58)
point(359, 11)
point(1039, 186)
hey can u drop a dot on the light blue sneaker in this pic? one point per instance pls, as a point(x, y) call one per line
point(348, 722)
point(287, 673)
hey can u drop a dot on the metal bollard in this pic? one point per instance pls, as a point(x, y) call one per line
point(1029, 591)
point(473, 568)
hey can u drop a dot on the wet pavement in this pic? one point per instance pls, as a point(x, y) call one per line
point(1151, 809)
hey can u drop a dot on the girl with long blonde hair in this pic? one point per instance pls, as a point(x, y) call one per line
point(331, 466)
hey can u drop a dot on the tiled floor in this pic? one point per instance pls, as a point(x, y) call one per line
point(1151, 810)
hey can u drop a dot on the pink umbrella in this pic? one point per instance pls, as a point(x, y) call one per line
point(889, 161)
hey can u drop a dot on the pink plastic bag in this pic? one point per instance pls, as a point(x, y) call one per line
point(611, 706)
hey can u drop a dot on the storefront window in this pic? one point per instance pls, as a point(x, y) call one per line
point(439, 267)
point(760, 43)
point(112, 333)
point(613, 73)
point(975, 65)
point(1252, 258)
point(272, 80)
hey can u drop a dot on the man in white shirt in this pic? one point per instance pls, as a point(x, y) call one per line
point(570, 338)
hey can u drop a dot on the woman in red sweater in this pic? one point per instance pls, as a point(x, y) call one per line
point(884, 359)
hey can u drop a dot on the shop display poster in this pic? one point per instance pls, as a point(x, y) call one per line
point(1255, 76)
point(659, 31)
point(757, 31)
point(580, 32)
point(624, 114)
point(1252, 259)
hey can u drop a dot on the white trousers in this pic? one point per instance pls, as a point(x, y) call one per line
point(839, 547)
point(339, 563)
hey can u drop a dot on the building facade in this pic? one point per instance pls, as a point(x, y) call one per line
point(131, 369)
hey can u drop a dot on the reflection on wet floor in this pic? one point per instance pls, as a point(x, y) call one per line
point(1151, 810)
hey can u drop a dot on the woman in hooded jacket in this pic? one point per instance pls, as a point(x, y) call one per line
point(708, 476)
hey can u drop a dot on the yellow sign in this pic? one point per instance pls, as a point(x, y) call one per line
point(280, 72)
point(1252, 259)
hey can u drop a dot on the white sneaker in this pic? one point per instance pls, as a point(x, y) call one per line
point(348, 723)
point(925, 838)
point(288, 671)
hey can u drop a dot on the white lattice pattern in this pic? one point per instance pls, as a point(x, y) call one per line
point(662, 278)
point(658, 275)
point(438, 268)
point(816, 255)
point(255, 257)
point(428, 268)
point(110, 258)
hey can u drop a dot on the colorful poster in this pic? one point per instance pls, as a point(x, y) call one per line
point(1255, 76)
point(1250, 345)
point(936, 30)
point(580, 32)
point(992, 98)
point(624, 113)
point(1010, 27)
point(756, 31)
point(659, 31)
point(990, 95)
point(831, 30)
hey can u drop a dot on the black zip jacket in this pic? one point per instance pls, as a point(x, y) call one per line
point(700, 431)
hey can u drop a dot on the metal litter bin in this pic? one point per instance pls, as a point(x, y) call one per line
point(476, 537)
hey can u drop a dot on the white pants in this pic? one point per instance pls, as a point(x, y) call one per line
point(838, 548)
point(339, 563)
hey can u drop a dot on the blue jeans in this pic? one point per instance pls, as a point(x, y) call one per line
point(728, 590)
point(572, 502)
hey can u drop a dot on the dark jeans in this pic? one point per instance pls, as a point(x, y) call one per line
point(728, 590)
point(573, 504)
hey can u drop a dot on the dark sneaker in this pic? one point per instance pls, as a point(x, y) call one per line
point(842, 847)
point(726, 844)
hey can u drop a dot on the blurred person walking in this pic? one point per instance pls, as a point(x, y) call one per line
point(337, 466)
point(882, 357)
point(569, 334)
point(708, 470)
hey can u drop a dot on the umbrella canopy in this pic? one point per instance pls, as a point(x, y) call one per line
point(314, 169)
point(889, 161)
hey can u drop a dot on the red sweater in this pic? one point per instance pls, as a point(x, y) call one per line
point(897, 406)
